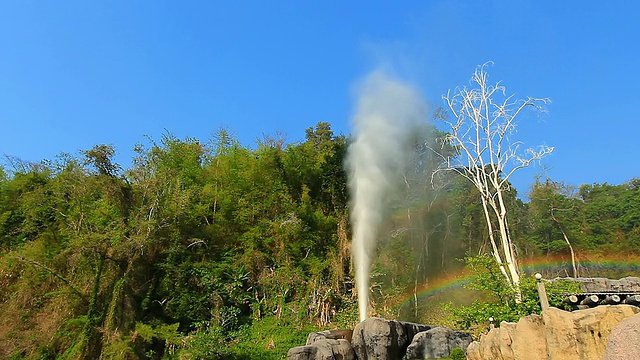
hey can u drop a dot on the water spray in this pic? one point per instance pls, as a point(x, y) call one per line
point(387, 112)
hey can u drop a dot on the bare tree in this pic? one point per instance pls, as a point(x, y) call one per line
point(480, 128)
point(566, 239)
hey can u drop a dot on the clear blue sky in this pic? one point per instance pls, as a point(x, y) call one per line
point(74, 74)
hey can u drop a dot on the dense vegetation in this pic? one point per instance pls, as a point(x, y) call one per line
point(216, 250)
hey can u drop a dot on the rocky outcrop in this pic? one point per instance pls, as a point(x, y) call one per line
point(334, 334)
point(556, 334)
point(623, 341)
point(323, 349)
point(306, 352)
point(437, 343)
point(325, 345)
point(381, 339)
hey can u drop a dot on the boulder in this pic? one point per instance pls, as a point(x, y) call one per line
point(323, 349)
point(623, 341)
point(380, 339)
point(589, 328)
point(412, 329)
point(340, 349)
point(334, 334)
point(496, 345)
point(437, 343)
point(556, 334)
point(511, 341)
point(307, 352)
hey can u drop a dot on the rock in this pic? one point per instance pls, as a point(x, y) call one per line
point(329, 334)
point(556, 334)
point(323, 349)
point(380, 339)
point(474, 350)
point(623, 341)
point(511, 341)
point(306, 352)
point(437, 343)
point(340, 349)
point(494, 345)
point(413, 328)
point(589, 328)
point(528, 337)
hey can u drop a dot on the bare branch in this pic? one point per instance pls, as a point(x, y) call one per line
point(484, 119)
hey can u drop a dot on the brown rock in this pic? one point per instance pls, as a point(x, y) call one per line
point(529, 337)
point(557, 334)
point(495, 345)
point(473, 350)
point(585, 333)
point(623, 341)
point(507, 333)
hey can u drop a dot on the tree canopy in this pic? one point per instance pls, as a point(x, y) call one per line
point(215, 250)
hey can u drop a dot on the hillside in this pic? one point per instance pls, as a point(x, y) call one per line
point(215, 250)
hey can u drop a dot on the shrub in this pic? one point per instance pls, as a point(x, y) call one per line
point(500, 303)
point(457, 354)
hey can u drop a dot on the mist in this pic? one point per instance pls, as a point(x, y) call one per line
point(387, 112)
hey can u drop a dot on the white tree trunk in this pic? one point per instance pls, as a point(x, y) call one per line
point(483, 121)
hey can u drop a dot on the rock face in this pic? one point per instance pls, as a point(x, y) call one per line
point(330, 334)
point(380, 339)
point(437, 343)
point(623, 341)
point(325, 345)
point(556, 334)
point(306, 352)
point(323, 349)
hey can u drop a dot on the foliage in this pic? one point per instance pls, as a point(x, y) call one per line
point(191, 234)
point(215, 250)
point(457, 354)
point(267, 338)
point(499, 302)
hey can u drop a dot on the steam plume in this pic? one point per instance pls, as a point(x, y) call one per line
point(387, 111)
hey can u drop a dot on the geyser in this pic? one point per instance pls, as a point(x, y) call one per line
point(387, 112)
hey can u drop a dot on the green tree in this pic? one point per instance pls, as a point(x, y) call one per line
point(552, 212)
point(610, 216)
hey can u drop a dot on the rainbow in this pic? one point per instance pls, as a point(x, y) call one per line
point(588, 264)
point(592, 265)
point(437, 286)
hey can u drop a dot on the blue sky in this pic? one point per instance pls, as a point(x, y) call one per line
point(74, 74)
